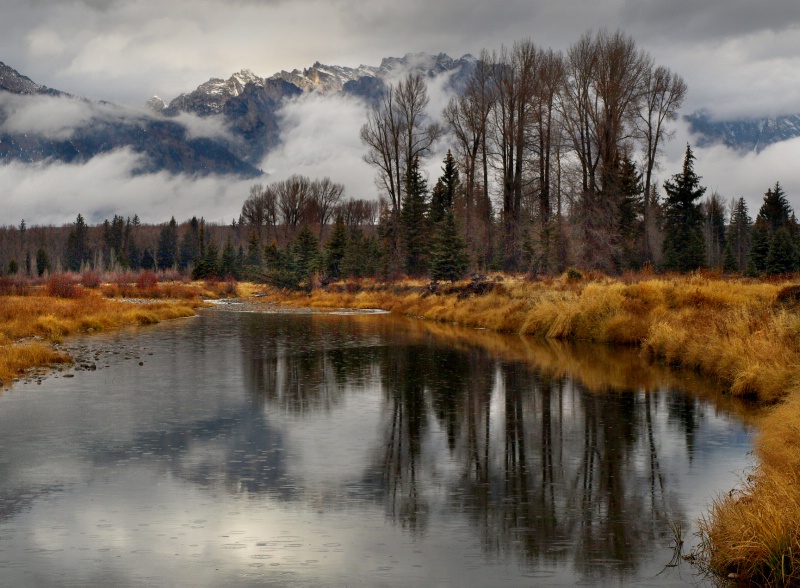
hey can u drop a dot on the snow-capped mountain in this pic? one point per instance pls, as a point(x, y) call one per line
point(743, 134)
point(248, 104)
point(92, 128)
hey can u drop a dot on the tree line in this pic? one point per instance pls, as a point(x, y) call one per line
point(552, 162)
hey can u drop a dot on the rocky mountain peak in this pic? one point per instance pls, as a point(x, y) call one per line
point(155, 104)
point(13, 81)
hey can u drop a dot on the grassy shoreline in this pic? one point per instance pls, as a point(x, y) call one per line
point(743, 333)
point(31, 324)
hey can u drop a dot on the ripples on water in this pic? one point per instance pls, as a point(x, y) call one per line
point(243, 448)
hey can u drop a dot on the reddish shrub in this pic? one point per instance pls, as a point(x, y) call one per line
point(91, 279)
point(146, 280)
point(63, 286)
point(14, 286)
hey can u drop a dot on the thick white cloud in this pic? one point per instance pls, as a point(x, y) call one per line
point(736, 55)
point(321, 138)
point(733, 174)
point(738, 58)
point(54, 193)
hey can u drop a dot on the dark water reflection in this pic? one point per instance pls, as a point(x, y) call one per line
point(317, 450)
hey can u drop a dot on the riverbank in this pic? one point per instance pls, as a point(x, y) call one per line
point(31, 324)
point(743, 333)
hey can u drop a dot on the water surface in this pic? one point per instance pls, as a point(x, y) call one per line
point(250, 449)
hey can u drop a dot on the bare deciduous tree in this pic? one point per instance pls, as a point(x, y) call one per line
point(259, 210)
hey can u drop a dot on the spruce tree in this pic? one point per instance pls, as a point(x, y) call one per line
point(444, 192)
point(684, 243)
point(148, 261)
point(413, 222)
point(629, 219)
point(305, 256)
point(449, 259)
point(759, 248)
point(208, 267)
point(228, 266)
point(737, 237)
point(782, 255)
point(167, 248)
point(78, 245)
point(189, 251)
point(775, 209)
point(335, 249)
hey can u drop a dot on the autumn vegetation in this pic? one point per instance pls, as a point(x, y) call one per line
point(35, 315)
point(548, 189)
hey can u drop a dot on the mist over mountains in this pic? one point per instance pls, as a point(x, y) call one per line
point(224, 126)
point(228, 126)
point(200, 151)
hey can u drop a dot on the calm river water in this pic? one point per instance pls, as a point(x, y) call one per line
point(249, 449)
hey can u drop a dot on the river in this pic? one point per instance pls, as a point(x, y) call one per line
point(246, 448)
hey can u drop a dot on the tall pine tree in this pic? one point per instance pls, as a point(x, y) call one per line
point(448, 258)
point(78, 251)
point(684, 243)
point(413, 222)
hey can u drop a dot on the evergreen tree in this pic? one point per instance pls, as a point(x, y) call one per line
point(114, 238)
point(759, 248)
point(78, 245)
point(13, 267)
point(305, 256)
point(444, 192)
point(449, 259)
point(189, 251)
point(737, 237)
point(714, 212)
point(42, 261)
point(630, 215)
point(782, 254)
point(228, 266)
point(335, 249)
point(775, 209)
point(209, 266)
point(134, 255)
point(278, 264)
point(684, 244)
point(148, 261)
point(729, 261)
point(774, 217)
point(413, 225)
point(167, 249)
point(252, 260)
point(362, 255)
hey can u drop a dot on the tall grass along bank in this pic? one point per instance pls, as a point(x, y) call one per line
point(743, 333)
point(29, 324)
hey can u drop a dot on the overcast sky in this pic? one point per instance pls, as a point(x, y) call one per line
point(738, 57)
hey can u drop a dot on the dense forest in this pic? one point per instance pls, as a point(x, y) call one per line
point(552, 163)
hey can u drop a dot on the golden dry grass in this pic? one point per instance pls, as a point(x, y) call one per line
point(732, 330)
point(753, 533)
point(51, 319)
point(745, 334)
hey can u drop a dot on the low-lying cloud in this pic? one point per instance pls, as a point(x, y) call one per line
point(734, 174)
point(55, 193)
point(320, 137)
point(59, 117)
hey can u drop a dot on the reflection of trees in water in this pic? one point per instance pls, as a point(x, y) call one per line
point(404, 387)
point(301, 363)
point(548, 469)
